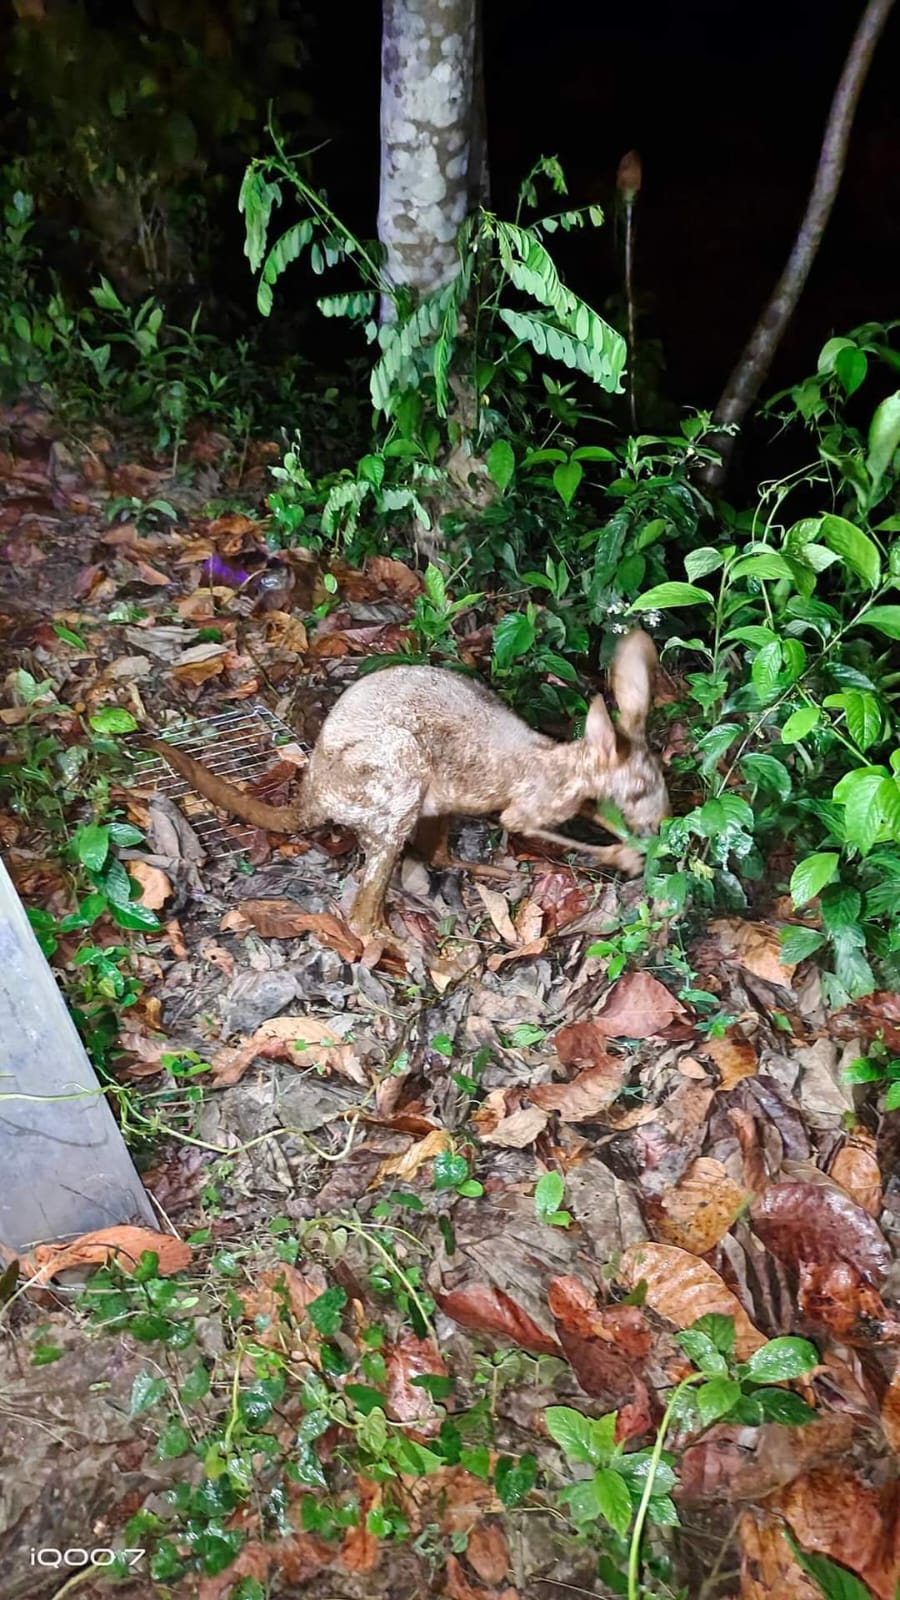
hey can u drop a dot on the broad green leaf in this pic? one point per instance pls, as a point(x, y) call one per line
point(888, 798)
point(566, 478)
point(720, 1329)
point(782, 1359)
point(783, 1405)
point(799, 943)
point(884, 440)
point(767, 773)
point(885, 618)
point(863, 715)
point(501, 463)
point(840, 905)
point(766, 668)
point(666, 596)
point(854, 547)
point(613, 1499)
point(800, 723)
point(698, 563)
point(548, 1195)
point(699, 1347)
point(768, 564)
point(862, 808)
point(716, 1398)
point(574, 1433)
point(851, 366)
point(811, 875)
point(135, 916)
point(146, 1391)
point(581, 1500)
point(830, 351)
point(513, 637)
point(92, 845)
point(851, 968)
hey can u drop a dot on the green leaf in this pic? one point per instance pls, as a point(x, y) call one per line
point(836, 1583)
point(811, 875)
point(767, 773)
point(666, 596)
point(851, 365)
point(699, 563)
point(851, 968)
point(797, 944)
point(767, 664)
point(501, 463)
point(514, 636)
point(863, 715)
point(885, 618)
point(174, 1441)
point(613, 1499)
point(782, 1359)
point(450, 1169)
point(548, 1195)
point(800, 723)
point(782, 1405)
point(768, 564)
point(888, 798)
point(566, 479)
point(701, 1350)
point(125, 835)
point(716, 1398)
point(575, 1433)
point(326, 1311)
point(840, 905)
point(514, 1480)
point(136, 917)
point(717, 1327)
point(854, 547)
point(146, 1391)
point(92, 845)
point(884, 440)
point(862, 807)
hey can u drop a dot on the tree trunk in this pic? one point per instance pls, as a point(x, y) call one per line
point(432, 153)
point(753, 367)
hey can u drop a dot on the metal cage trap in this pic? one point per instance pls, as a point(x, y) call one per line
point(238, 745)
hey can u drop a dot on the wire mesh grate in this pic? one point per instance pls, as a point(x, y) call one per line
point(238, 745)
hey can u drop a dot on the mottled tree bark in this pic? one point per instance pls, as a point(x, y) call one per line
point(753, 367)
point(432, 153)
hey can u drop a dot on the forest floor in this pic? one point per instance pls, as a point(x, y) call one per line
point(376, 1127)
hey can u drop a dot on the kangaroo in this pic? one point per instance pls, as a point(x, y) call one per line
point(404, 749)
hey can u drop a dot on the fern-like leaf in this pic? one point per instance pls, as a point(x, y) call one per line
point(357, 307)
point(255, 202)
point(600, 355)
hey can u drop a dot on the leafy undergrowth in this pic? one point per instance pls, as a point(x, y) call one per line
point(545, 1247)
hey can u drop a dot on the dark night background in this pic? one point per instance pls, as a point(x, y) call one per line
point(726, 103)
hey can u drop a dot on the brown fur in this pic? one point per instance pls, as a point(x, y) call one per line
point(413, 743)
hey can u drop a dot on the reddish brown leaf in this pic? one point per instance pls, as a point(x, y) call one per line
point(484, 1309)
point(304, 1041)
point(638, 1007)
point(755, 946)
point(583, 1044)
point(834, 1513)
point(458, 1587)
point(592, 1092)
point(813, 1222)
point(284, 919)
point(125, 1245)
point(855, 1168)
point(700, 1209)
point(501, 1119)
point(154, 885)
point(560, 896)
point(574, 1306)
point(487, 1552)
point(768, 1565)
point(735, 1058)
point(407, 1401)
point(836, 1295)
point(682, 1288)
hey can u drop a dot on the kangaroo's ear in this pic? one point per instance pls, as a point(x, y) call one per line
point(599, 732)
point(631, 675)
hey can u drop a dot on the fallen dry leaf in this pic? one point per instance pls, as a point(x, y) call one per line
point(575, 1307)
point(755, 946)
point(484, 1309)
point(701, 1208)
point(409, 1358)
point(855, 1168)
point(487, 1552)
point(406, 1166)
point(735, 1058)
point(816, 1223)
point(890, 1413)
point(155, 886)
point(497, 908)
point(586, 1096)
point(638, 1007)
point(456, 1585)
point(681, 1288)
point(284, 919)
point(125, 1245)
point(837, 1296)
point(834, 1513)
point(768, 1564)
point(304, 1041)
point(501, 1119)
point(583, 1043)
